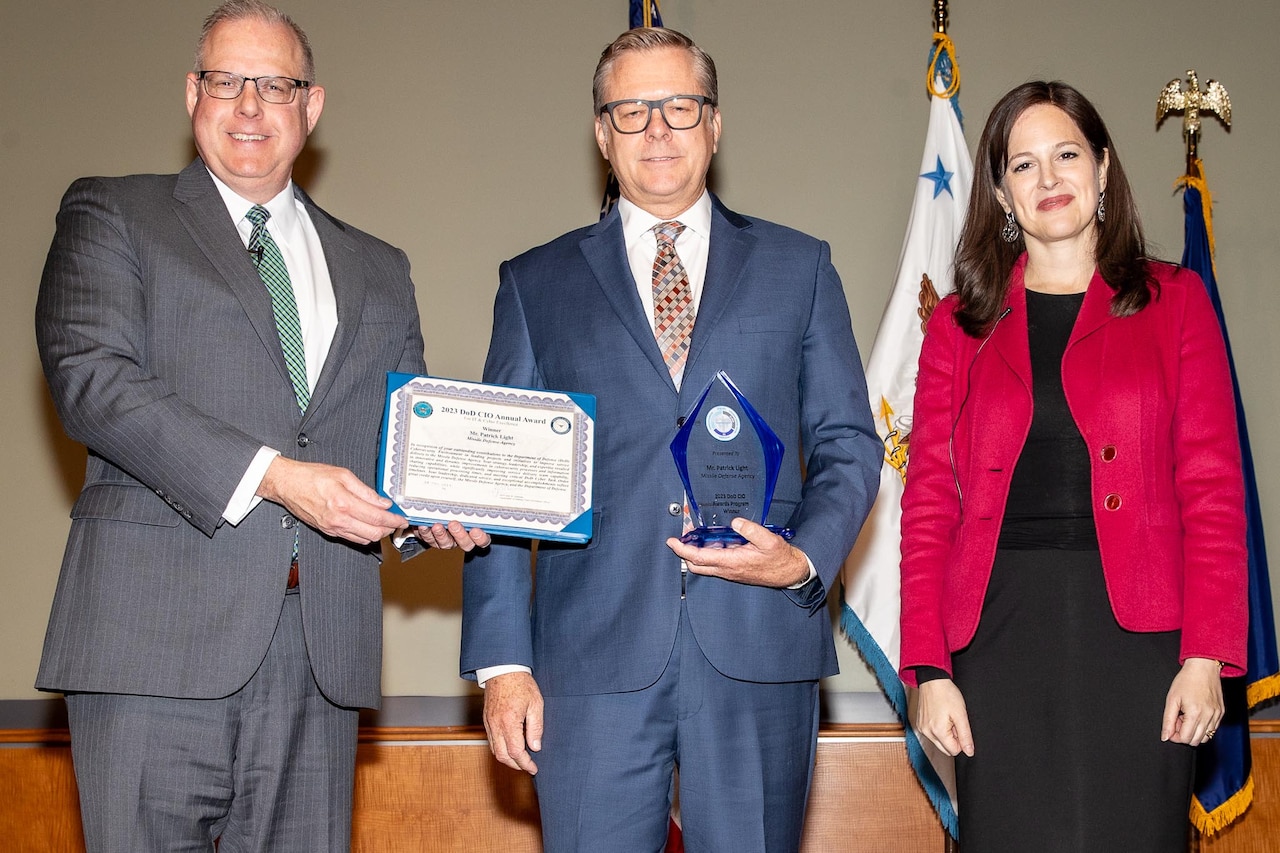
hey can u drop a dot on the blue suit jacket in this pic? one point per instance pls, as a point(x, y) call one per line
point(602, 617)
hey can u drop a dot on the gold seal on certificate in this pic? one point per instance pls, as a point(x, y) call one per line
point(514, 461)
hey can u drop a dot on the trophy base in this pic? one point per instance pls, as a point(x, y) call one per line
point(723, 537)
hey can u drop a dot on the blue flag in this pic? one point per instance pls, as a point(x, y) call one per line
point(1223, 786)
point(645, 13)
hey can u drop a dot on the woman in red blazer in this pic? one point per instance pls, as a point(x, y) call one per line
point(1073, 557)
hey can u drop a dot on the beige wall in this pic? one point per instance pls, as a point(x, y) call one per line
point(461, 132)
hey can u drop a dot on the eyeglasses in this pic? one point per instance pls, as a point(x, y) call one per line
point(680, 112)
point(273, 90)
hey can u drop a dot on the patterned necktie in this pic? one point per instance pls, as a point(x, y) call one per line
point(276, 277)
point(672, 301)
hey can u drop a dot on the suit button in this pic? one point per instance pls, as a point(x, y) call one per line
point(288, 522)
point(1108, 453)
point(1112, 502)
point(680, 421)
point(674, 508)
point(303, 441)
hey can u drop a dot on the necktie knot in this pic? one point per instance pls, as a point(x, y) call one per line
point(258, 215)
point(668, 232)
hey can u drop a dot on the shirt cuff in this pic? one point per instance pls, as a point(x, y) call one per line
point(245, 498)
point(484, 673)
point(813, 573)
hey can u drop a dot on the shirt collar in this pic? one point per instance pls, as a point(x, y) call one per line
point(636, 220)
point(284, 211)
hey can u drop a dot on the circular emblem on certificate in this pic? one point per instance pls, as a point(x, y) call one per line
point(560, 425)
point(423, 409)
point(723, 423)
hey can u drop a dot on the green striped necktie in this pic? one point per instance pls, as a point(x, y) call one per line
point(276, 277)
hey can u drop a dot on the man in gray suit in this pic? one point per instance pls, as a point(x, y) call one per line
point(219, 343)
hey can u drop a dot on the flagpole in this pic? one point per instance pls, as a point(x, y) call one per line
point(940, 28)
point(940, 21)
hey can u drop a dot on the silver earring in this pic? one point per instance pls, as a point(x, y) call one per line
point(1010, 232)
point(1102, 206)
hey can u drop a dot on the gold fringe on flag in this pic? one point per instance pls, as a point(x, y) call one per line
point(1210, 823)
point(1262, 690)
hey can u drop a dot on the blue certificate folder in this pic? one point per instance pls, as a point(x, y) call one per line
point(513, 461)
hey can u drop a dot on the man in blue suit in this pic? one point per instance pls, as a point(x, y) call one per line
point(634, 654)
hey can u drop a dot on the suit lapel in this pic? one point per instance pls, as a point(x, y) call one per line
point(349, 287)
point(605, 251)
point(729, 254)
point(1083, 366)
point(203, 213)
point(1095, 312)
point(1009, 337)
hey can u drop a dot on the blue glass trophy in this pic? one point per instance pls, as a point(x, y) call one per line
point(729, 460)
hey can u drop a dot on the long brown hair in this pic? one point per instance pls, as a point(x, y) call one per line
point(984, 260)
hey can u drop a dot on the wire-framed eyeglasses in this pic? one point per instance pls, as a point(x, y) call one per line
point(274, 90)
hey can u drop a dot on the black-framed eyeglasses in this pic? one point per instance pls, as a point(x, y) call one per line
point(274, 90)
point(680, 112)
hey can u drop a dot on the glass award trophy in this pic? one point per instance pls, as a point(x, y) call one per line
point(729, 460)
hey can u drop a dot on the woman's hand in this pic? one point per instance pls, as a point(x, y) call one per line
point(1193, 708)
point(942, 718)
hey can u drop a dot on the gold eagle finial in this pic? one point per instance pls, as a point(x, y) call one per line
point(1191, 103)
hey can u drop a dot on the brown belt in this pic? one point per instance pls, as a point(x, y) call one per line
point(292, 583)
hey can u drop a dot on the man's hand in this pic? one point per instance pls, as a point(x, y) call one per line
point(330, 499)
point(513, 719)
point(1194, 706)
point(452, 535)
point(766, 560)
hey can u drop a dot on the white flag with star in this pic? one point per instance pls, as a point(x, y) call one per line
point(871, 579)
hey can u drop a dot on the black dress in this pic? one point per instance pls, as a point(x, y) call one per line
point(1065, 705)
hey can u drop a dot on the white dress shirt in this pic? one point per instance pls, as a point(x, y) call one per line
point(299, 244)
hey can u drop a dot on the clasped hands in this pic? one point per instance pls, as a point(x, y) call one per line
point(335, 501)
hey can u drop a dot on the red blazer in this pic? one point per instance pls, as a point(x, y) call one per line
point(1152, 396)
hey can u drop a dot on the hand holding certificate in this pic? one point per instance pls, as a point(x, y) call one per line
point(510, 460)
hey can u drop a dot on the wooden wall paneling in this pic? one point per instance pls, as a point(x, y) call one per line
point(416, 792)
point(865, 796)
point(39, 804)
point(439, 790)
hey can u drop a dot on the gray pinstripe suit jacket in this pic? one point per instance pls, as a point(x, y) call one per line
point(159, 346)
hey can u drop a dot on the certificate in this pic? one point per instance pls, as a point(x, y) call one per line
point(513, 461)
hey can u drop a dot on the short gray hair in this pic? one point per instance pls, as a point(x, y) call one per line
point(655, 38)
point(240, 10)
